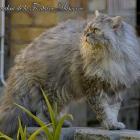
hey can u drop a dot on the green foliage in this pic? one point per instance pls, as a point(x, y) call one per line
point(56, 124)
point(40, 122)
point(51, 134)
point(22, 132)
point(3, 136)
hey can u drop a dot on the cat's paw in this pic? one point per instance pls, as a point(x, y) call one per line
point(114, 125)
point(117, 126)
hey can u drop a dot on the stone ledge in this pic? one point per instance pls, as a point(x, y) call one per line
point(99, 134)
point(95, 134)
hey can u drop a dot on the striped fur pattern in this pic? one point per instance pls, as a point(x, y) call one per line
point(73, 60)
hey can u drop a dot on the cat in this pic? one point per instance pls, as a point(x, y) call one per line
point(95, 59)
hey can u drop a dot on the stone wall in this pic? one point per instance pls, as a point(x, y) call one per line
point(26, 26)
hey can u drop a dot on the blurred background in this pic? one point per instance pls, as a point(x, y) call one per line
point(18, 29)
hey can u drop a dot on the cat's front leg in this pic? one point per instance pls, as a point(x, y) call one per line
point(106, 111)
point(111, 121)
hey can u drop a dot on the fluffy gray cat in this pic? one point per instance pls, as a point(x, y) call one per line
point(96, 59)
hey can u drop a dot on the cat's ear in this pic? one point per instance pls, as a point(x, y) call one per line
point(97, 13)
point(116, 22)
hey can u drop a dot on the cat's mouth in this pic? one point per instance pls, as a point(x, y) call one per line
point(93, 42)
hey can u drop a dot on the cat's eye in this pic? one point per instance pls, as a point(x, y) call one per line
point(96, 30)
point(92, 30)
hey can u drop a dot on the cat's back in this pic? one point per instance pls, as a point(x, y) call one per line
point(64, 35)
point(53, 50)
point(56, 41)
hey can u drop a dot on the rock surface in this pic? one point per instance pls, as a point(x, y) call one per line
point(99, 134)
point(95, 134)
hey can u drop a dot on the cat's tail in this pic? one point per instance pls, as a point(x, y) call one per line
point(26, 96)
point(23, 89)
point(20, 94)
point(9, 114)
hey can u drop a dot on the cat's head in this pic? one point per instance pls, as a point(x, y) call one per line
point(101, 34)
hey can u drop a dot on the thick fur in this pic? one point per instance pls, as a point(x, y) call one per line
point(70, 65)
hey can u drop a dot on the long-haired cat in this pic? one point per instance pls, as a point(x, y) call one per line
point(96, 59)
